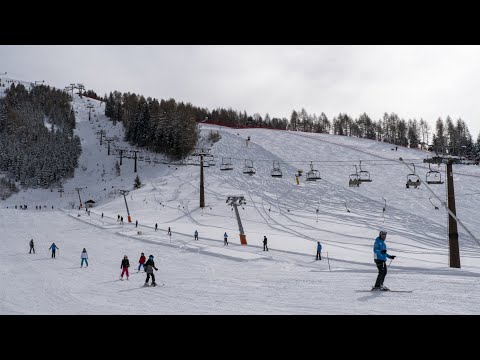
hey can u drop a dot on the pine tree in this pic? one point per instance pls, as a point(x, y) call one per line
point(137, 183)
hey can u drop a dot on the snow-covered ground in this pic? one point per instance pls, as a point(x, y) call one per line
point(206, 277)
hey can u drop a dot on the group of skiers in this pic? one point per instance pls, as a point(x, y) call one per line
point(379, 250)
point(148, 266)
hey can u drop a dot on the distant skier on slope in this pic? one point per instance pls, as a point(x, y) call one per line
point(141, 262)
point(124, 266)
point(84, 257)
point(225, 239)
point(380, 257)
point(32, 247)
point(149, 266)
point(54, 248)
point(319, 251)
point(265, 247)
point(195, 235)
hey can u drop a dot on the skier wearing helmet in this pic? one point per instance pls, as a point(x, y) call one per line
point(380, 257)
point(124, 266)
point(149, 266)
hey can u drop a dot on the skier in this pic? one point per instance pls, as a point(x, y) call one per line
point(319, 251)
point(31, 247)
point(156, 226)
point(136, 223)
point(118, 217)
point(121, 220)
point(169, 232)
point(102, 215)
point(84, 257)
point(265, 243)
point(54, 248)
point(124, 266)
point(141, 262)
point(195, 235)
point(149, 266)
point(380, 257)
point(225, 237)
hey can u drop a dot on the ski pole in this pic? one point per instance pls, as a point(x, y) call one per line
point(390, 262)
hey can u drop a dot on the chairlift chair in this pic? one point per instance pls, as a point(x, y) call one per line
point(226, 164)
point(433, 176)
point(313, 175)
point(276, 172)
point(413, 179)
point(190, 161)
point(364, 175)
point(354, 179)
point(211, 162)
point(249, 169)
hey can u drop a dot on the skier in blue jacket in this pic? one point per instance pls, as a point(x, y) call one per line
point(380, 256)
point(319, 251)
point(54, 248)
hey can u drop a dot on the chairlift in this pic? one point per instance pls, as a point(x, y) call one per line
point(413, 179)
point(190, 161)
point(364, 175)
point(433, 176)
point(276, 172)
point(226, 164)
point(249, 169)
point(313, 175)
point(211, 162)
point(354, 179)
point(140, 157)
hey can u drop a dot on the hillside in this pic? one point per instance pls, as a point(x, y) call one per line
point(206, 277)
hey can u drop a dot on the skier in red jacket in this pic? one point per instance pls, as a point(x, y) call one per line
point(141, 262)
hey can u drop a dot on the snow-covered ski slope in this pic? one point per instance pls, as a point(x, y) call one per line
point(206, 277)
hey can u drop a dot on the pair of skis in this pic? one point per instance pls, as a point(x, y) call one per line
point(147, 285)
point(385, 291)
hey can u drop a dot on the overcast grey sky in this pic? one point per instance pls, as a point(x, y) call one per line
point(413, 81)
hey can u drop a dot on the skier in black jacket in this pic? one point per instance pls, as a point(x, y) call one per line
point(124, 266)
